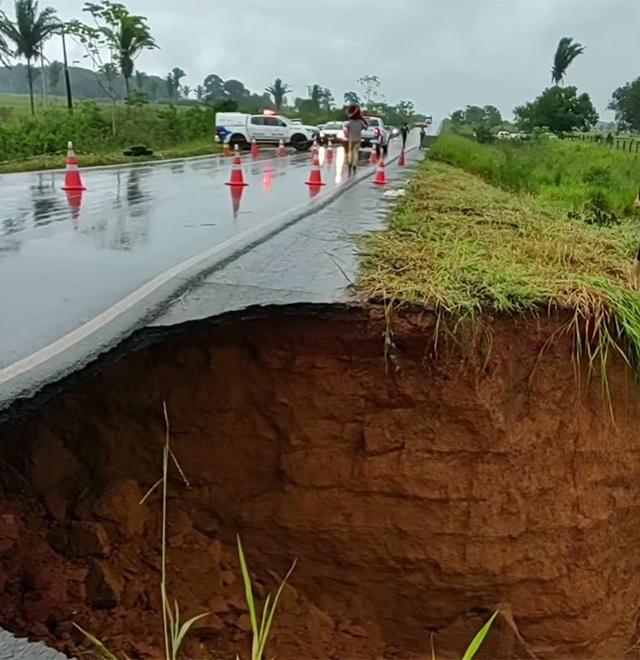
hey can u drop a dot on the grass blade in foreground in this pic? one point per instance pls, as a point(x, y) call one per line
point(260, 634)
point(101, 650)
point(478, 640)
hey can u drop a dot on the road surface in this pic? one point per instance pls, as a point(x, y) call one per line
point(78, 271)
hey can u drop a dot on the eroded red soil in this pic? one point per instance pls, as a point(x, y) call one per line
point(417, 493)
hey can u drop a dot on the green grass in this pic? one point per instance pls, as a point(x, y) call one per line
point(13, 106)
point(568, 174)
point(462, 247)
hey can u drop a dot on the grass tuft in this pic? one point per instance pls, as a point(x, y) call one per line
point(463, 248)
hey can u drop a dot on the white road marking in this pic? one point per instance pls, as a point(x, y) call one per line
point(84, 331)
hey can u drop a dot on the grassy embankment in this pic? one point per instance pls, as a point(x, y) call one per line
point(464, 247)
point(28, 143)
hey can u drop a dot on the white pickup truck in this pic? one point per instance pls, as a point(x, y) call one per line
point(241, 129)
point(376, 135)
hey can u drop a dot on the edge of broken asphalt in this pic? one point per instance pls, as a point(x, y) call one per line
point(25, 378)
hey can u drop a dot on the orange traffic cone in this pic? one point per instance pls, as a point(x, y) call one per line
point(374, 155)
point(226, 148)
point(315, 176)
point(237, 175)
point(402, 159)
point(381, 173)
point(255, 149)
point(72, 178)
point(329, 152)
point(282, 152)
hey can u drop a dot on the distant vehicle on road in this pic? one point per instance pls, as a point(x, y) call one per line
point(377, 135)
point(241, 129)
point(503, 135)
point(395, 132)
point(333, 131)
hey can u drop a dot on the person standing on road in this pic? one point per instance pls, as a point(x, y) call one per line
point(353, 129)
point(423, 138)
point(404, 131)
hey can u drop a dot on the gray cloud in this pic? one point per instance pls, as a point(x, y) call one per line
point(442, 54)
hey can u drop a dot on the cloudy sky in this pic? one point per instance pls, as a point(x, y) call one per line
point(442, 54)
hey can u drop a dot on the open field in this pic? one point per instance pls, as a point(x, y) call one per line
point(571, 175)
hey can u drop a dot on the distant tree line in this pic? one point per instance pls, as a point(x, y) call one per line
point(560, 109)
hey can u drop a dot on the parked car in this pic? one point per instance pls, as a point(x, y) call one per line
point(333, 131)
point(503, 135)
point(241, 129)
point(376, 135)
point(315, 130)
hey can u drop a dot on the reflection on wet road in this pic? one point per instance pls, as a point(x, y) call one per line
point(65, 257)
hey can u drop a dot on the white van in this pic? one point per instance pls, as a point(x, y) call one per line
point(240, 128)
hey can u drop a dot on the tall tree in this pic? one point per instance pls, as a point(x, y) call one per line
point(28, 33)
point(566, 52)
point(125, 35)
point(186, 91)
point(200, 93)
point(405, 111)
point(351, 98)
point(278, 91)
point(370, 89)
point(492, 116)
point(214, 87)
point(328, 101)
point(54, 71)
point(560, 109)
point(626, 103)
point(171, 87)
point(176, 75)
point(315, 96)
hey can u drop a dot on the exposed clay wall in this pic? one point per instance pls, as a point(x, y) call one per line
point(417, 493)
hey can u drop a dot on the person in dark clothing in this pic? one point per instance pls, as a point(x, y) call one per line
point(423, 138)
point(404, 131)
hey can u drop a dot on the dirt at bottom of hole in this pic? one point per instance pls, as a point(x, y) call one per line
point(418, 493)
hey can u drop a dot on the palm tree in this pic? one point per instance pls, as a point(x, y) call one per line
point(128, 36)
point(566, 52)
point(4, 51)
point(351, 98)
point(315, 96)
point(186, 91)
point(278, 90)
point(29, 32)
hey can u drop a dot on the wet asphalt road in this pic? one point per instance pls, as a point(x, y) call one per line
point(66, 258)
